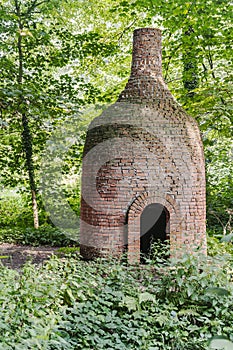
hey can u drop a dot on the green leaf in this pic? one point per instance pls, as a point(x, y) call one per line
point(143, 297)
point(217, 291)
point(220, 342)
point(69, 299)
point(130, 303)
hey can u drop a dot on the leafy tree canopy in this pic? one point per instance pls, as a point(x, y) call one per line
point(76, 53)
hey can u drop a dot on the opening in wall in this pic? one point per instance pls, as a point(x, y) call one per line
point(154, 227)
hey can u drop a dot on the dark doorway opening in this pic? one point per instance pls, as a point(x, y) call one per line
point(153, 228)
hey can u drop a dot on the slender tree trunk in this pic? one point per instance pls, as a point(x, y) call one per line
point(26, 133)
point(27, 145)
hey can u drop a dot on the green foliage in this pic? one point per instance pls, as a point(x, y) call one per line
point(69, 251)
point(16, 224)
point(70, 304)
point(216, 246)
point(69, 64)
point(220, 342)
point(219, 167)
point(15, 209)
point(44, 235)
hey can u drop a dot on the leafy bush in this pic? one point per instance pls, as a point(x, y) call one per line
point(67, 251)
point(70, 304)
point(216, 246)
point(16, 223)
point(16, 211)
point(44, 235)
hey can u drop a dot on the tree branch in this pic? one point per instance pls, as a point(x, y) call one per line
point(126, 28)
point(34, 5)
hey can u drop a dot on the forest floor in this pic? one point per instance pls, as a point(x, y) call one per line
point(15, 256)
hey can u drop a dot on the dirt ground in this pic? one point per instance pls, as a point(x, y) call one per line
point(15, 256)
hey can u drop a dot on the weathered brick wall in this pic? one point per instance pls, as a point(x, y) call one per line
point(143, 149)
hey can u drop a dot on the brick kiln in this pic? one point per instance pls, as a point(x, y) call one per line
point(143, 167)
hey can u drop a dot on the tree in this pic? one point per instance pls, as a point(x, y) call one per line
point(37, 89)
point(198, 67)
point(77, 53)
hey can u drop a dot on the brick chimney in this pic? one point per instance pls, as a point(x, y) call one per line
point(143, 175)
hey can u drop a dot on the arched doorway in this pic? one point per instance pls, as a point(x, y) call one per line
point(154, 222)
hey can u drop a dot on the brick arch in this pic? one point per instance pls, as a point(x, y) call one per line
point(134, 213)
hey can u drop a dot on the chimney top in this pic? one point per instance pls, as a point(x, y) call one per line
point(147, 53)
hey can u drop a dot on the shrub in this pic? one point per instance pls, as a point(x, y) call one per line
point(16, 210)
point(70, 304)
point(44, 235)
point(216, 246)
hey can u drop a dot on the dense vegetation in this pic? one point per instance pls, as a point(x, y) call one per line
point(59, 57)
point(69, 304)
point(61, 63)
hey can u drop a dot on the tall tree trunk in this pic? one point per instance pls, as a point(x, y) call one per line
point(26, 133)
point(27, 145)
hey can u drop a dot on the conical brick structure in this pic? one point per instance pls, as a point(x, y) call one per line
point(143, 168)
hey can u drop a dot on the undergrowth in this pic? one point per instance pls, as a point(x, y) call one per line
point(16, 225)
point(70, 304)
point(44, 235)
